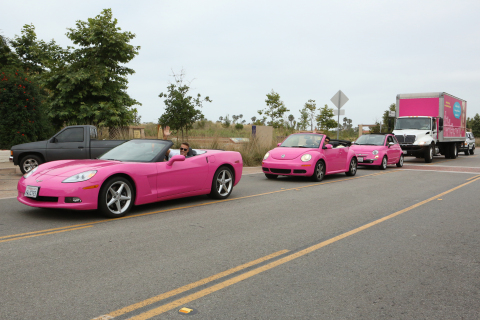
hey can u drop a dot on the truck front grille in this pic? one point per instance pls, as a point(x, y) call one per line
point(405, 139)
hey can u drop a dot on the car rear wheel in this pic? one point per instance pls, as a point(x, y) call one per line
point(29, 162)
point(271, 176)
point(383, 166)
point(116, 197)
point(400, 161)
point(222, 184)
point(352, 169)
point(319, 172)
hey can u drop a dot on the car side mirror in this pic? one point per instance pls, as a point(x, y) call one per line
point(328, 146)
point(53, 140)
point(278, 144)
point(390, 144)
point(175, 158)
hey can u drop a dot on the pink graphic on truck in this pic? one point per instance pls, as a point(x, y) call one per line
point(454, 117)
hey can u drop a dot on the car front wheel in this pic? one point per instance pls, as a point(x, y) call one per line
point(383, 166)
point(472, 151)
point(116, 197)
point(400, 161)
point(319, 172)
point(352, 168)
point(271, 176)
point(222, 184)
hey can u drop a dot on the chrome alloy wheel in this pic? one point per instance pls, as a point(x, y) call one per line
point(319, 171)
point(118, 197)
point(353, 167)
point(29, 165)
point(224, 182)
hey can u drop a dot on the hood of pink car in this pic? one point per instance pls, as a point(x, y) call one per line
point(365, 149)
point(288, 153)
point(71, 167)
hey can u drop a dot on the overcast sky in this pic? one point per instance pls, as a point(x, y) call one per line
point(238, 51)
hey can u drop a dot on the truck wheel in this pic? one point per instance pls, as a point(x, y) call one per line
point(29, 162)
point(116, 197)
point(319, 172)
point(454, 153)
point(383, 166)
point(400, 161)
point(429, 154)
point(467, 152)
point(472, 151)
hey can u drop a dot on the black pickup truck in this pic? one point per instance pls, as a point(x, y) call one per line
point(73, 142)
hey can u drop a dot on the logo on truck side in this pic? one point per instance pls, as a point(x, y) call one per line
point(457, 110)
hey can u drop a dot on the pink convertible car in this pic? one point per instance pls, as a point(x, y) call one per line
point(135, 172)
point(306, 154)
point(378, 150)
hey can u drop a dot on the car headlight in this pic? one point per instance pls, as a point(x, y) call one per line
point(28, 174)
point(79, 177)
point(375, 152)
point(306, 157)
point(421, 143)
point(266, 156)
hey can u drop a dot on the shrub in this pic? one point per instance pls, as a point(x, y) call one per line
point(239, 126)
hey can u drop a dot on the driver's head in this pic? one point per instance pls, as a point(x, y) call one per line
point(327, 140)
point(184, 147)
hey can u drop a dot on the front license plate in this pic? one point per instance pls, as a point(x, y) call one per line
point(404, 151)
point(360, 159)
point(31, 192)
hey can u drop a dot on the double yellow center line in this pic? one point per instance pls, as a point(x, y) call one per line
point(216, 287)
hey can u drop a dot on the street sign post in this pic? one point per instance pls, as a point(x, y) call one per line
point(339, 99)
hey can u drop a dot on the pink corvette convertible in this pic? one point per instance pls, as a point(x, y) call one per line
point(307, 154)
point(135, 172)
point(378, 150)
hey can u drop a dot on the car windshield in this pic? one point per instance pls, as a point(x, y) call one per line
point(137, 150)
point(413, 123)
point(371, 140)
point(303, 141)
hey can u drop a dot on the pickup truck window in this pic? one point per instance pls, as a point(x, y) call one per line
point(71, 135)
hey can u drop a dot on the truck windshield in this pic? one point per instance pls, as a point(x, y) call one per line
point(413, 123)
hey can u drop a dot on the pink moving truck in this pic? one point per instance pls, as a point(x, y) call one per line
point(429, 124)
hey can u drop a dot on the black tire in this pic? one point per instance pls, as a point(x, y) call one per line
point(319, 172)
point(454, 151)
point(429, 154)
point(271, 176)
point(352, 168)
point(400, 161)
point(467, 152)
point(383, 166)
point(30, 162)
point(472, 151)
point(222, 183)
point(116, 198)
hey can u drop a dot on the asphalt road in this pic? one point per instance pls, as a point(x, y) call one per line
point(400, 243)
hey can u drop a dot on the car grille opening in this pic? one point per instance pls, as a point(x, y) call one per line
point(265, 169)
point(45, 199)
point(281, 170)
point(299, 171)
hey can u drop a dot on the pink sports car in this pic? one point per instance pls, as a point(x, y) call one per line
point(307, 154)
point(378, 150)
point(135, 172)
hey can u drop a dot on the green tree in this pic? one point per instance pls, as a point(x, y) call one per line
point(180, 113)
point(86, 84)
point(136, 118)
point(23, 118)
point(387, 122)
point(325, 119)
point(275, 110)
point(311, 107)
point(303, 120)
point(375, 128)
point(476, 126)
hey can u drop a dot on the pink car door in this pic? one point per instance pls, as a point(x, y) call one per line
point(333, 159)
point(182, 176)
point(393, 153)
